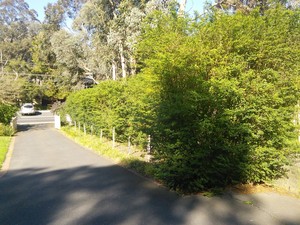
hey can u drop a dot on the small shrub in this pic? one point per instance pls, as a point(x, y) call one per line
point(6, 130)
point(7, 112)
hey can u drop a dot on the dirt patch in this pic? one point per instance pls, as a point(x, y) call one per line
point(261, 188)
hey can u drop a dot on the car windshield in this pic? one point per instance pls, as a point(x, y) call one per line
point(28, 106)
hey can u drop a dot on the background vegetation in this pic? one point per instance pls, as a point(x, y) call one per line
point(7, 112)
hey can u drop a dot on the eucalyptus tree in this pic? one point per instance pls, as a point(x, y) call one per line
point(18, 25)
point(247, 6)
point(16, 30)
point(54, 64)
point(58, 13)
point(182, 6)
point(110, 30)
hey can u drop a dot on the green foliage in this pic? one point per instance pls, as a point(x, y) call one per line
point(11, 89)
point(228, 93)
point(4, 145)
point(217, 95)
point(125, 105)
point(7, 112)
point(6, 130)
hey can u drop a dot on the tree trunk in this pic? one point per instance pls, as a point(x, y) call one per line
point(182, 7)
point(114, 77)
point(17, 75)
point(123, 64)
point(132, 66)
point(3, 64)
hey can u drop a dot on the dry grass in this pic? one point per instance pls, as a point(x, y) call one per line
point(261, 188)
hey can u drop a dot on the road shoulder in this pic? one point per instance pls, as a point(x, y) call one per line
point(5, 166)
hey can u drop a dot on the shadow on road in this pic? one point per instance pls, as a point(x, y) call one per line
point(107, 195)
point(92, 193)
point(84, 195)
point(27, 127)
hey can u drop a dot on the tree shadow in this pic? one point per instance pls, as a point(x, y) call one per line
point(27, 127)
point(83, 195)
point(112, 195)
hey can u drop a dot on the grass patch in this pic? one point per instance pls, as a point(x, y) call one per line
point(248, 202)
point(104, 148)
point(4, 145)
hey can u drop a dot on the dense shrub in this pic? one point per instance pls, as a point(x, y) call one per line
point(7, 112)
point(124, 105)
point(217, 96)
point(228, 94)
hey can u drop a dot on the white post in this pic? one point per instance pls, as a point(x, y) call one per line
point(84, 129)
point(69, 119)
point(129, 145)
point(101, 135)
point(149, 145)
point(113, 138)
point(57, 124)
point(148, 155)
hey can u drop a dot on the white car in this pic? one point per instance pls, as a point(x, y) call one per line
point(27, 109)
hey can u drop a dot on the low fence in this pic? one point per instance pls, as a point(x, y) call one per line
point(90, 129)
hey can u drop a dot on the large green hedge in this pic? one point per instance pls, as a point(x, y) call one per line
point(217, 95)
point(125, 105)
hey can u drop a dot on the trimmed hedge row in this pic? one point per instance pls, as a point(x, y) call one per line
point(125, 105)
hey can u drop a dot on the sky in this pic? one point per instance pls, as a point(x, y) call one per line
point(38, 5)
point(196, 5)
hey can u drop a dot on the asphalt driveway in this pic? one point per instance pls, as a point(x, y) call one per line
point(52, 180)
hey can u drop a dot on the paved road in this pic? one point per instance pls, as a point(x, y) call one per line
point(52, 180)
point(41, 117)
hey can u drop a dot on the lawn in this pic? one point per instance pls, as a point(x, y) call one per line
point(4, 145)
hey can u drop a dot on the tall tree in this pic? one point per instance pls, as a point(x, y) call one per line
point(58, 13)
point(247, 6)
point(111, 29)
point(18, 25)
point(182, 6)
point(16, 19)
